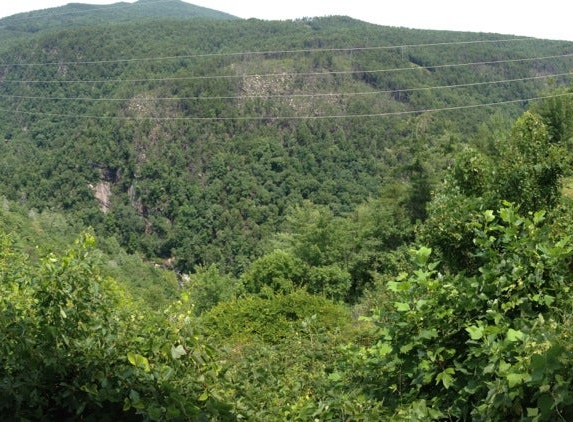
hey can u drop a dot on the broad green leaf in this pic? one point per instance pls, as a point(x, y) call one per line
point(514, 379)
point(538, 217)
point(134, 396)
point(335, 376)
point(398, 286)
point(155, 413)
point(406, 348)
point(537, 368)
point(135, 400)
point(177, 352)
point(422, 255)
point(532, 412)
point(173, 412)
point(138, 361)
point(421, 303)
point(131, 358)
point(504, 367)
point(402, 306)
point(90, 388)
point(514, 335)
point(428, 334)
point(475, 332)
point(383, 349)
point(545, 403)
point(446, 377)
point(204, 396)
point(489, 216)
point(433, 265)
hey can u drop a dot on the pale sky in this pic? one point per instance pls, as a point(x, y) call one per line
point(552, 19)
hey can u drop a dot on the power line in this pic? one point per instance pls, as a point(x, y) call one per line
point(299, 95)
point(255, 75)
point(283, 74)
point(308, 117)
point(266, 52)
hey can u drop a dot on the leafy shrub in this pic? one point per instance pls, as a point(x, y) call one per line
point(492, 346)
point(282, 272)
point(274, 318)
point(331, 281)
point(207, 287)
point(279, 271)
point(75, 346)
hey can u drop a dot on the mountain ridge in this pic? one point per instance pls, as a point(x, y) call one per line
point(83, 14)
point(208, 131)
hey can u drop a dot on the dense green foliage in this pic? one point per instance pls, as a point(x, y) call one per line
point(138, 110)
point(483, 334)
point(72, 15)
point(272, 243)
point(73, 343)
point(36, 234)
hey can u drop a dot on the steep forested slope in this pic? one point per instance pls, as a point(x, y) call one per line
point(198, 135)
point(72, 15)
point(369, 221)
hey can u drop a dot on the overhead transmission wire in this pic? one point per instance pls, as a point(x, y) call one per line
point(197, 118)
point(271, 117)
point(267, 75)
point(266, 52)
point(298, 95)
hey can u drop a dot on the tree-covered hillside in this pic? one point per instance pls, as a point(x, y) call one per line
point(475, 327)
point(207, 218)
point(200, 136)
point(81, 15)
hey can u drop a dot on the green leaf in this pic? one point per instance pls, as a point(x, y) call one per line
point(406, 348)
point(538, 217)
point(428, 334)
point(135, 400)
point(90, 389)
point(134, 396)
point(204, 396)
point(446, 377)
point(489, 216)
point(138, 361)
point(173, 412)
point(398, 286)
point(514, 335)
point(131, 358)
point(177, 352)
point(537, 368)
point(545, 403)
point(402, 306)
point(475, 332)
point(514, 379)
point(383, 349)
point(335, 376)
point(422, 255)
point(433, 265)
point(503, 367)
point(532, 412)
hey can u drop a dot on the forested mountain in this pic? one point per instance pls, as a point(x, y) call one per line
point(268, 183)
point(202, 133)
point(81, 15)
